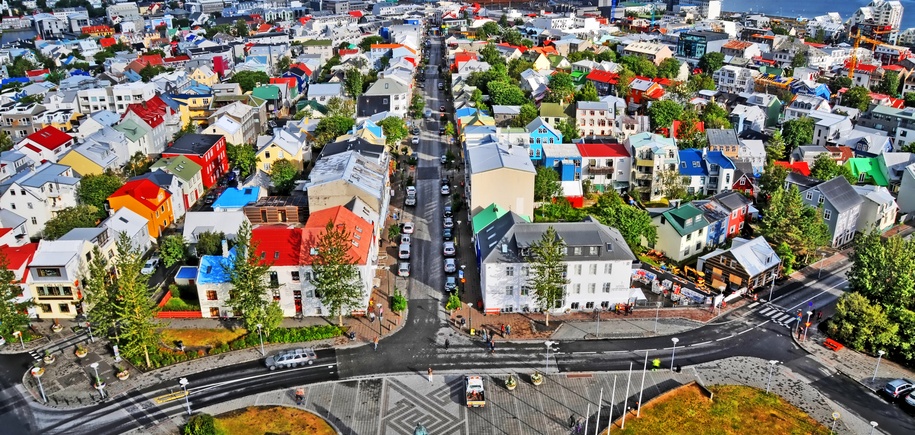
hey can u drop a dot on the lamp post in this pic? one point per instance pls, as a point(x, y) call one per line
point(807, 325)
point(657, 312)
point(21, 340)
point(463, 278)
point(673, 353)
point(37, 372)
point(820, 272)
point(772, 364)
point(98, 381)
point(774, 277)
point(184, 382)
point(261, 336)
point(873, 427)
point(549, 344)
point(879, 355)
point(835, 418)
point(597, 313)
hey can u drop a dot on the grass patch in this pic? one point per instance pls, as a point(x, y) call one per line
point(201, 337)
point(259, 420)
point(178, 304)
point(736, 409)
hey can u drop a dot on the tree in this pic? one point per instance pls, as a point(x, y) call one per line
point(283, 174)
point(711, 62)
point(173, 249)
point(568, 129)
point(857, 97)
point(798, 131)
point(81, 216)
point(775, 149)
point(546, 184)
point(244, 157)
point(606, 56)
point(663, 113)
point(700, 82)
point(417, 104)
point(632, 222)
point(95, 189)
point(548, 280)
point(135, 311)
point(825, 168)
point(773, 178)
point(329, 128)
point(248, 80)
point(714, 116)
point(21, 64)
point(672, 184)
point(639, 65)
point(512, 37)
point(395, 130)
point(799, 60)
point(366, 44)
point(450, 130)
point(13, 309)
point(209, 243)
point(861, 324)
point(491, 55)
point(626, 76)
point(337, 106)
point(561, 88)
point(909, 102)
point(527, 113)
point(476, 97)
point(489, 28)
point(454, 302)
point(6, 143)
point(587, 93)
point(352, 82)
point(503, 21)
point(200, 424)
point(787, 255)
point(335, 277)
point(788, 219)
point(581, 55)
point(138, 163)
point(688, 134)
point(839, 82)
point(517, 66)
point(889, 84)
point(248, 276)
point(884, 271)
point(241, 28)
point(149, 71)
point(669, 68)
point(506, 94)
point(283, 65)
point(100, 292)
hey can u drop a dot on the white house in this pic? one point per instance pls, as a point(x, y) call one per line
point(39, 193)
point(681, 232)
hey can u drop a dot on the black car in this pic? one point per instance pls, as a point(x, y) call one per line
point(446, 235)
point(448, 211)
point(441, 130)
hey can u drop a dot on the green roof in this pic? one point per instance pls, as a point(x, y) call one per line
point(869, 166)
point(314, 42)
point(686, 219)
point(132, 130)
point(488, 215)
point(180, 166)
point(267, 92)
point(554, 110)
point(316, 106)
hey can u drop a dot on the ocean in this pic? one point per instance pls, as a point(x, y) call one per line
point(811, 8)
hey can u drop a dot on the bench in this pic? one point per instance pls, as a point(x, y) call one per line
point(832, 345)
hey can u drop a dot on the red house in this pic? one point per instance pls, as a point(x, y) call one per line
point(744, 183)
point(207, 150)
point(738, 206)
point(47, 144)
point(800, 167)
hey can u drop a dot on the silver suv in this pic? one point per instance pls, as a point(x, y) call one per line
point(291, 358)
point(897, 389)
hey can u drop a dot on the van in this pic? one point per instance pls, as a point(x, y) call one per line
point(404, 252)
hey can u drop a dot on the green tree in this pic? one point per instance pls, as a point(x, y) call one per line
point(798, 131)
point(624, 81)
point(13, 309)
point(548, 280)
point(825, 168)
point(889, 84)
point(688, 134)
point(149, 71)
point(546, 184)
point(632, 222)
point(454, 302)
point(773, 178)
point(283, 174)
point(489, 28)
point(506, 94)
point(857, 97)
point(81, 216)
point(663, 113)
point(335, 277)
point(241, 28)
point(417, 104)
point(283, 65)
point(512, 37)
point(672, 184)
point(558, 210)
point(476, 97)
point(788, 259)
point(95, 189)
point(329, 128)
point(587, 93)
point(561, 88)
point(135, 311)
point(6, 143)
point(244, 157)
point(173, 249)
point(711, 62)
point(209, 243)
point(606, 56)
point(775, 149)
point(21, 64)
point(788, 219)
point(640, 66)
point(138, 163)
point(839, 82)
point(366, 44)
point(352, 82)
point(799, 60)
point(503, 21)
point(450, 130)
point(581, 55)
point(700, 82)
point(100, 292)
point(248, 80)
point(248, 276)
point(200, 424)
point(337, 106)
point(527, 113)
point(909, 102)
point(884, 271)
point(395, 130)
point(862, 325)
point(669, 68)
point(517, 66)
point(714, 116)
point(568, 129)
point(491, 55)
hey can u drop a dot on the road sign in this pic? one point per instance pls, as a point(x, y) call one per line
point(461, 274)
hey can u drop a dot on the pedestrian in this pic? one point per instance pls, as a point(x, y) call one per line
point(578, 427)
point(447, 343)
point(380, 311)
point(375, 342)
point(571, 421)
point(508, 329)
point(492, 346)
point(503, 330)
point(372, 317)
point(430, 375)
point(819, 315)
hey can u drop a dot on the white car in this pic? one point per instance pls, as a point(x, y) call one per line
point(415, 140)
point(403, 270)
point(446, 190)
point(405, 239)
point(450, 265)
point(449, 223)
point(448, 249)
point(150, 266)
point(408, 228)
point(444, 159)
point(411, 190)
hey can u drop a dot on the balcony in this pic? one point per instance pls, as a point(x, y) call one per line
point(600, 170)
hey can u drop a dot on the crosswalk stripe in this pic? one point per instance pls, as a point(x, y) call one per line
point(767, 311)
point(753, 305)
point(781, 317)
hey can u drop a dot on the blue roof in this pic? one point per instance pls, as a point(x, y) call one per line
point(372, 128)
point(234, 198)
point(718, 158)
point(464, 111)
point(187, 272)
point(691, 162)
point(214, 269)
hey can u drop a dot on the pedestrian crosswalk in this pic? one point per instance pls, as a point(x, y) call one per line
point(778, 316)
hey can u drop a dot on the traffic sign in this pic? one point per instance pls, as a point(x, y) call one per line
point(461, 274)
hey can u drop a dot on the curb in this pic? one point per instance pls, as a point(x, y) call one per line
point(837, 368)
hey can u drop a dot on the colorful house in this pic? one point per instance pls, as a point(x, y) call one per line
point(541, 133)
point(206, 150)
point(145, 198)
point(867, 171)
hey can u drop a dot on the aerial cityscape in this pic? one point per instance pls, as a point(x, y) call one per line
point(432, 217)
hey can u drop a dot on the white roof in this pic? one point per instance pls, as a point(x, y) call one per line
point(196, 222)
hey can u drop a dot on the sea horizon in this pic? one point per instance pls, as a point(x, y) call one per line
point(812, 8)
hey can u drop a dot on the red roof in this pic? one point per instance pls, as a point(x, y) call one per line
point(37, 72)
point(50, 137)
point(603, 150)
point(347, 52)
point(815, 44)
point(152, 59)
point(603, 76)
point(520, 48)
point(870, 69)
point(357, 14)
point(290, 82)
point(151, 111)
point(18, 256)
point(361, 230)
point(107, 42)
point(145, 192)
point(178, 58)
point(676, 127)
point(3, 231)
point(278, 245)
point(264, 28)
point(896, 68)
point(800, 167)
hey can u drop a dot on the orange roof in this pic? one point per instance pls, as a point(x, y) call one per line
point(545, 50)
point(360, 230)
point(96, 29)
point(145, 192)
point(737, 45)
point(278, 245)
point(264, 28)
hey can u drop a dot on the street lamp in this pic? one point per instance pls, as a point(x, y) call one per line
point(657, 312)
point(21, 340)
point(879, 355)
point(37, 372)
point(259, 328)
point(549, 344)
point(835, 418)
point(673, 353)
point(820, 272)
point(873, 427)
point(772, 364)
point(807, 325)
point(183, 382)
point(98, 381)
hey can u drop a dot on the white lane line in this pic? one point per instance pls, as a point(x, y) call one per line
point(754, 304)
point(744, 331)
point(724, 338)
point(701, 344)
point(763, 323)
point(804, 303)
point(767, 311)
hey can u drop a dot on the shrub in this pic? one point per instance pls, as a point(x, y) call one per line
point(398, 302)
point(200, 424)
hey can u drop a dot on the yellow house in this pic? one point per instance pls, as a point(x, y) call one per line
point(205, 75)
point(194, 107)
point(84, 160)
point(289, 143)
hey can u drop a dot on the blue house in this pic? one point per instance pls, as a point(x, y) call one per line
point(811, 88)
point(717, 231)
point(706, 172)
point(541, 133)
point(233, 199)
point(565, 159)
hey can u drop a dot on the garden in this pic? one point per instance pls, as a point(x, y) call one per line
point(259, 420)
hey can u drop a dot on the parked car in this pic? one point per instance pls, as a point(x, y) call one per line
point(450, 284)
point(446, 190)
point(415, 140)
point(441, 108)
point(408, 227)
point(403, 270)
point(450, 265)
point(150, 267)
point(448, 212)
point(896, 389)
point(405, 239)
point(448, 248)
point(447, 234)
point(411, 190)
point(427, 113)
point(291, 358)
point(910, 400)
point(441, 130)
point(449, 223)
point(444, 159)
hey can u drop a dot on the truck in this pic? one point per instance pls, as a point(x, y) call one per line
point(473, 386)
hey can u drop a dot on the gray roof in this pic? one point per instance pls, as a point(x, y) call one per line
point(105, 117)
point(756, 255)
point(325, 89)
point(494, 156)
point(732, 200)
point(721, 136)
point(514, 232)
point(387, 86)
point(840, 194)
point(802, 181)
point(506, 110)
point(47, 173)
point(9, 219)
point(83, 233)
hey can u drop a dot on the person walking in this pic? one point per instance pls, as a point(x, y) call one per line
point(571, 421)
point(503, 330)
point(447, 343)
point(508, 329)
point(430, 375)
point(375, 342)
point(819, 315)
point(492, 346)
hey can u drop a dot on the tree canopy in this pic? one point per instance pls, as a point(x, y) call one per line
point(329, 128)
point(889, 84)
point(335, 277)
point(547, 280)
point(242, 156)
point(788, 219)
point(546, 184)
point(95, 189)
point(81, 216)
point(248, 80)
point(798, 131)
point(640, 66)
point(248, 276)
point(714, 116)
point(711, 62)
point(663, 113)
point(13, 309)
point(283, 174)
point(394, 128)
point(857, 97)
point(825, 168)
point(669, 68)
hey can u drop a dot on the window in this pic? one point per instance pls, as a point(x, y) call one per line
point(576, 288)
point(575, 306)
point(525, 271)
point(578, 269)
point(809, 196)
point(46, 272)
point(211, 295)
point(592, 288)
point(45, 308)
point(606, 287)
point(592, 250)
point(510, 271)
point(510, 290)
point(821, 199)
point(732, 229)
point(64, 308)
point(276, 295)
point(593, 269)
point(576, 250)
point(827, 214)
point(525, 290)
point(608, 268)
point(295, 276)
point(307, 276)
point(605, 305)
point(589, 305)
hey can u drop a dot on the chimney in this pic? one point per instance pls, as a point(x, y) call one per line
point(225, 248)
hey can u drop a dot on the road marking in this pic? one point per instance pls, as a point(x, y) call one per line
point(753, 305)
point(763, 323)
point(232, 381)
point(840, 283)
point(642, 350)
point(745, 331)
point(724, 338)
point(701, 344)
point(767, 311)
point(170, 397)
point(585, 353)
